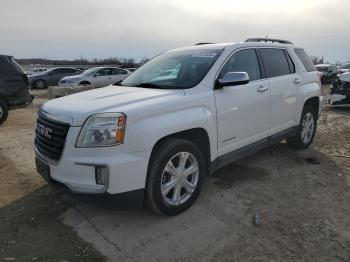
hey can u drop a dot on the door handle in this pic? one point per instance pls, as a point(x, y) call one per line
point(262, 89)
point(297, 81)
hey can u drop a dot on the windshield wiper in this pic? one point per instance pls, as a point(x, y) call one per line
point(150, 85)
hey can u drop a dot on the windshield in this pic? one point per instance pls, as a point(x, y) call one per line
point(90, 71)
point(322, 69)
point(174, 70)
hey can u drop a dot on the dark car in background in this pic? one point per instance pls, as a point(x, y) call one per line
point(14, 86)
point(328, 73)
point(340, 91)
point(51, 77)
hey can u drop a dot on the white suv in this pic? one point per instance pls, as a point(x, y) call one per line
point(155, 138)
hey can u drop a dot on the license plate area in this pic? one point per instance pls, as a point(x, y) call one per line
point(43, 169)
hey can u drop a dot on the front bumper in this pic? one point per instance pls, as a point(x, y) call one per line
point(75, 171)
point(340, 98)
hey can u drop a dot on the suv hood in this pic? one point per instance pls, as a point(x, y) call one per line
point(75, 109)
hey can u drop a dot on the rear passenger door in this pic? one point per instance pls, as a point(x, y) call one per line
point(243, 111)
point(280, 72)
point(118, 74)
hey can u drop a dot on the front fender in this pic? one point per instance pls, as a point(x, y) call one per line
point(145, 133)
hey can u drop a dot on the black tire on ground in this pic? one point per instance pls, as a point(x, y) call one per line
point(40, 84)
point(157, 176)
point(84, 83)
point(3, 111)
point(297, 141)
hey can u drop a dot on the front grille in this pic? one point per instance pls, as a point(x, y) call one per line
point(50, 137)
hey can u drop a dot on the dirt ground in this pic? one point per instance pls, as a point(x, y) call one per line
point(278, 205)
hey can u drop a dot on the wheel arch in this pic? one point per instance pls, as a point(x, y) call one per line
point(85, 82)
point(198, 136)
point(4, 98)
point(315, 103)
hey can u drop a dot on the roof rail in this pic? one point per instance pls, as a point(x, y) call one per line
point(204, 43)
point(269, 40)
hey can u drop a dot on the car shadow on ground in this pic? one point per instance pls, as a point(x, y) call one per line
point(276, 205)
point(279, 204)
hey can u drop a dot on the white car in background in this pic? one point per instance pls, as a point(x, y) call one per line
point(97, 76)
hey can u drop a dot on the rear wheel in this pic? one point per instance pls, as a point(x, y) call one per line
point(306, 129)
point(175, 176)
point(40, 84)
point(3, 111)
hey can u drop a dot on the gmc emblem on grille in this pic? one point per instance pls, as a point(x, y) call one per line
point(43, 130)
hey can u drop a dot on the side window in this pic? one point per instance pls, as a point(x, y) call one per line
point(275, 62)
point(121, 72)
point(243, 61)
point(55, 72)
point(305, 59)
point(290, 62)
point(101, 72)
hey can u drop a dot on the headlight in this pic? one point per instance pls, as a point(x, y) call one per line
point(100, 130)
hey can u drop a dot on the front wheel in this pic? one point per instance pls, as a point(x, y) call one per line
point(175, 177)
point(306, 129)
point(3, 111)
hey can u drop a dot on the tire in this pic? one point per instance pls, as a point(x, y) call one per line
point(40, 84)
point(303, 140)
point(84, 83)
point(3, 111)
point(164, 200)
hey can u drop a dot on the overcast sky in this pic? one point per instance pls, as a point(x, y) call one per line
point(67, 29)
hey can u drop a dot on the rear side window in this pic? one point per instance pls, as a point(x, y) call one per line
point(305, 59)
point(275, 62)
point(243, 61)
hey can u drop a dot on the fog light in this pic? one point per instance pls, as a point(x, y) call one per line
point(102, 175)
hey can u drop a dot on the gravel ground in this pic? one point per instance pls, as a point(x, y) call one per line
point(278, 205)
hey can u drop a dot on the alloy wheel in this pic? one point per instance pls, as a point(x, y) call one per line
point(308, 127)
point(180, 178)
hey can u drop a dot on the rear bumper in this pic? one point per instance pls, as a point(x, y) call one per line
point(20, 99)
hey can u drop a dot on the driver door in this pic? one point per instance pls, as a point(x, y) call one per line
point(243, 111)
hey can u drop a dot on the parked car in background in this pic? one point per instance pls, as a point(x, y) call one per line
point(131, 69)
point(51, 77)
point(155, 139)
point(328, 73)
point(14, 86)
point(340, 91)
point(344, 68)
point(36, 71)
point(97, 76)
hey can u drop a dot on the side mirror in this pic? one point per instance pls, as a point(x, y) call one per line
point(232, 79)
